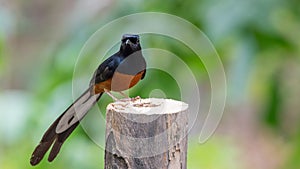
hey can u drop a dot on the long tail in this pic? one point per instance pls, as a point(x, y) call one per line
point(63, 126)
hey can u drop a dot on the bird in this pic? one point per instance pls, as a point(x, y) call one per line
point(117, 73)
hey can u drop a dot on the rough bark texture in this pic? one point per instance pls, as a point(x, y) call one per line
point(146, 134)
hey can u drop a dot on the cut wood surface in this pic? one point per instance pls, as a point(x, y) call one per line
point(146, 134)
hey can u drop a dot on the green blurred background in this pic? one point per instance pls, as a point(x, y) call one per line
point(258, 43)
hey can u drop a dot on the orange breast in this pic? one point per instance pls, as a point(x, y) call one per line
point(119, 82)
point(122, 82)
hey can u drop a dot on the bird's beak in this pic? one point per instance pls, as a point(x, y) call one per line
point(127, 42)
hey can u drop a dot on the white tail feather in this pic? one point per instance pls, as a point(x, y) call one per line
point(77, 111)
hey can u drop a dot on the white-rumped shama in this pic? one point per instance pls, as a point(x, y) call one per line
point(119, 72)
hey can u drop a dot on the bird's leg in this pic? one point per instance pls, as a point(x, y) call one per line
point(123, 94)
point(128, 98)
point(112, 96)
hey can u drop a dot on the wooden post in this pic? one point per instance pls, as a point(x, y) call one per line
point(146, 134)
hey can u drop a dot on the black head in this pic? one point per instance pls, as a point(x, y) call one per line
point(130, 44)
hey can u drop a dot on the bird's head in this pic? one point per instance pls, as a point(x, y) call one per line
point(130, 44)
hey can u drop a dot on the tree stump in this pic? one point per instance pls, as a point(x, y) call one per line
point(146, 134)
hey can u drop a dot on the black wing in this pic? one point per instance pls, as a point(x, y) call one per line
point(106, 70)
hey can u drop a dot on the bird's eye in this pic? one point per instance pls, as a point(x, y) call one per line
point(133, 40)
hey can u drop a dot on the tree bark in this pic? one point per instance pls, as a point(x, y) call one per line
point(146, 134)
